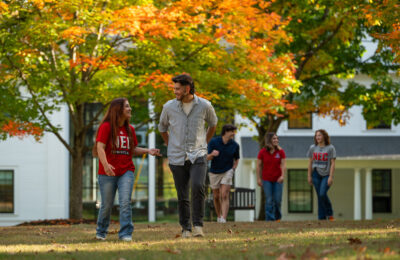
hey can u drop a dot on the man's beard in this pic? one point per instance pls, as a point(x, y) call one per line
point(183, 96)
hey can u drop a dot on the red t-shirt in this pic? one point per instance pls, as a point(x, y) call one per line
point(271, 164)
point(120, 158)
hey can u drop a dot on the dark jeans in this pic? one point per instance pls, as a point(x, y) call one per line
point(273, 199)
point(196, 173)
point(321, 188)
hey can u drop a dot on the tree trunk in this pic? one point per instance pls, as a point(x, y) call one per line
point(75, 187)
point(79, 148)
point(267, 124)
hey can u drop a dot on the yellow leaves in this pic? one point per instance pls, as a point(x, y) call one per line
point(85, 62)
point(75, 34)
point(41, 3)
point(3, 7)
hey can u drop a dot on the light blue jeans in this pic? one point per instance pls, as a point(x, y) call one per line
point(273, 199)
point(108, 187)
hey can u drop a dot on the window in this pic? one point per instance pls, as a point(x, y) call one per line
point(300, 194)
point(304, 122)
point(382, 190)
point(6, 191)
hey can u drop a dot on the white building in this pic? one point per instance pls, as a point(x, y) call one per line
point(34, 177)
point(367, 176)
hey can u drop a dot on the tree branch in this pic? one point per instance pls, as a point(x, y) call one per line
point(53, 129)
point(312, 51)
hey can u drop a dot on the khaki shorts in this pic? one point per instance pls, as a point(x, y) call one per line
point(221, 178)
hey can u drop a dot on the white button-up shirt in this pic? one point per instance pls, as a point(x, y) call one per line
point(187, 133)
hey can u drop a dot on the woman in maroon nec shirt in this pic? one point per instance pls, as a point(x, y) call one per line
point(115, 145)
point(271, 166)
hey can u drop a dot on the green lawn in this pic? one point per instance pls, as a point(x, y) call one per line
point(378, 239)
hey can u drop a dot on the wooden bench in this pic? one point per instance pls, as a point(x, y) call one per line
point(239, 199)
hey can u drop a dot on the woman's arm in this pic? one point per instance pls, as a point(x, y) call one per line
point(309, 171)
point(331, 172)
point(108, 168)
point(259, 167)
point(141, 151)
point(283, 168)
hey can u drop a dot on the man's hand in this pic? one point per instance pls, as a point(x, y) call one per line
point(154, 152)
point(280, 180)
point(215, 153)
point(259, 182)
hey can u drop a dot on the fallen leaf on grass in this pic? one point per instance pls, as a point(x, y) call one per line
point(269, 253)
point(112, 232)
point(361, 249)
point(173, 251)
point(212, 241)
point(285, 256)
point(388, 251)
point(353, 241)
point(286, 246)
point(244, 250)
point(145, 244)
point(329, 251)
point(230, 231)
point(309, 254)
point(177, 235)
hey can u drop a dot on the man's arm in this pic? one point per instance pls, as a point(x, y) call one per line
point(235, 164)
point(165, 137)
point(210, 133)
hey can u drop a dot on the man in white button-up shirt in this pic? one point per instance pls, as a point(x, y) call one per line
point(183, 128)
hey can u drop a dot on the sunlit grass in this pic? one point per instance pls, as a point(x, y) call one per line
point(260, 240)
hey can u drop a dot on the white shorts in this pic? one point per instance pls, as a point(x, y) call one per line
point(216, 179)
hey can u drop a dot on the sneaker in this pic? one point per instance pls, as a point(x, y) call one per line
point(98, 237)
point(198, 231)
point(126, 239)
point(218, 220)
point(331, 218)
point(186, 234)
point(222, 220)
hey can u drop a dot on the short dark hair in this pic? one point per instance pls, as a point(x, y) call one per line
point(227, 128)
point(185, 80)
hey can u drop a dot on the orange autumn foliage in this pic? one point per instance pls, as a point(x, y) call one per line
point(22, 129)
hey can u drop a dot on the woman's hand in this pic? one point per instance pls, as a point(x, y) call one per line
point(309, 179)
point(109, 169)
point(280, 180)
point(154, 152)
point(330, 181)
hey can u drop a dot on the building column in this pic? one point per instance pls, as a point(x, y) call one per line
point(368, 193)
point(357, 194)
point(152, 167)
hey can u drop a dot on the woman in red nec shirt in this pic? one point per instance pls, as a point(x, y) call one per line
point(115, 145)
point(271, 165)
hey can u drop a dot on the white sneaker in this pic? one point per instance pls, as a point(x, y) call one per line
point(198, 231)
point(186, 234)
point(98, 237)
point(222, 220)
point(126, 239)
point(218, 220)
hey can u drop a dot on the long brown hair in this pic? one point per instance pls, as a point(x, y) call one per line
point(268, 142)
point(327, 139)
point(112, 115)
